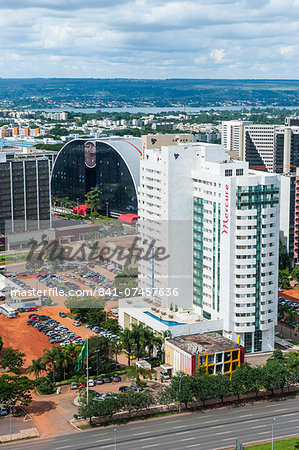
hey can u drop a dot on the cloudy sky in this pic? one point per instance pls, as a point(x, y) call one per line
point(150, 38)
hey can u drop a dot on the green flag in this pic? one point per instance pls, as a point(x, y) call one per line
point(82, 355)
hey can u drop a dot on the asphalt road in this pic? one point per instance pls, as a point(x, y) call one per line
point(217, 429)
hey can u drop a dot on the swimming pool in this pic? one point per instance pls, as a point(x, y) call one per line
point(169, 323)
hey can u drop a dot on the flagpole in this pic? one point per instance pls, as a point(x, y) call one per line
point(87, 369)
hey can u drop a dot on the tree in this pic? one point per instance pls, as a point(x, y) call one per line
point(136, 372)
point(292, 362)
point(85, 305)
point(14, 389)
point(36, 367)
point(138, 336)
point(44, 385)
point(52, 359)
point(93, 199)
point(203, 387)
point(12, 359)
point(182, 388)
point(99, 351)
point(241, 381)
point(274, 375)
point(151, 340)
point(284, 278)
point(222, 386)
point(127, 340)
point(165, 397)
point(1, 344)
point(284, 259)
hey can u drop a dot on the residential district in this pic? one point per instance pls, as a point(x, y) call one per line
point(149, 270)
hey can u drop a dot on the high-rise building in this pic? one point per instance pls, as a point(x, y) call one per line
point(232, 134)
point(24, 194)
point(287, 211)
point(274, 148)
point(218, 222)
point(296, 222)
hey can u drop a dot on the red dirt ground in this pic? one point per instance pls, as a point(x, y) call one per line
point(290, 294)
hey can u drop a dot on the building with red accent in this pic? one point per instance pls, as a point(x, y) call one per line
point(111, 164)
point(210, 353)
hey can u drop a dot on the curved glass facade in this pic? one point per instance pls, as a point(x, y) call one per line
point(83, 164)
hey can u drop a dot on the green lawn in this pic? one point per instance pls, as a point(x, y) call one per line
point(286, 444)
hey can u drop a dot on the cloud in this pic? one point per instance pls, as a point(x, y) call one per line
point(149, 38)
point(218, 54)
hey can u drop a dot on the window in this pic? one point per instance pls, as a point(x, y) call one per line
point(227, 356)
point(211, 359)
point(210, 370)
point(203, 360)
point(218, 357)
point(239, 172)
point(228, 172)
point(235, 354)
point(227, 367)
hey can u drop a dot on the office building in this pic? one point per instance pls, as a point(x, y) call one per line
point(218, 222)
point(24, 195)
point(232, 134)
point(296, 224)
point(287, 211)
point(274, 148)
point(111, 164)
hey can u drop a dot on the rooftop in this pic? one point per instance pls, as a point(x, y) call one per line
point(203, 343)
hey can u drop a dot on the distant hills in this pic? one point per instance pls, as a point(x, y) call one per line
point(59, 92)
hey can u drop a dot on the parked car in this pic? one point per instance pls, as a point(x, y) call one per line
point(81, 385)
point(77, 323)
point(32, 316)
point(31, 308)
point(21, 310)
point(3, 411)
point(62, 314)
point(91, 382)
point(116, 377)
point(100, 380)
point(123, 388)
point(107, 379)
point(135, 388)
point(74, 385)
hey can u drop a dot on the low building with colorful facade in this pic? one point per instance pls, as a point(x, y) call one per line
point(209, 352)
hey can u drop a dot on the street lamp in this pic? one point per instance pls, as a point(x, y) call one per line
point(273, 432)
point(114, 438)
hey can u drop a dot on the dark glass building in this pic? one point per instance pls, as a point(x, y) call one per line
point(24, 194)
point(111, 164)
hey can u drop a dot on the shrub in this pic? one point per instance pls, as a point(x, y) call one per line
point(44, 385)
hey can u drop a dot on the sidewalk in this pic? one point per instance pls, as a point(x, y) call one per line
point(29, 432)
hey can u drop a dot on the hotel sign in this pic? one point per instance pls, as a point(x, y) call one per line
point(226, 205)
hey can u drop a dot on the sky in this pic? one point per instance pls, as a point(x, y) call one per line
point(149, 38)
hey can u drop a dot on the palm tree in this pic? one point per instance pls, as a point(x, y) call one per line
point(52, 359)
point(135, 372)
point(116, 348)
point(65, 360)
point(127, 340)
point(151, 340)
point(36, 367)
point(138, 336)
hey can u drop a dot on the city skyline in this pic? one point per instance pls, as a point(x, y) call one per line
point(142, 39)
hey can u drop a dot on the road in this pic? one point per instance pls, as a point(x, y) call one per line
point(217, 429)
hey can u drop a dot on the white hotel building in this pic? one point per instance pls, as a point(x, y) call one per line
point(219, 223)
